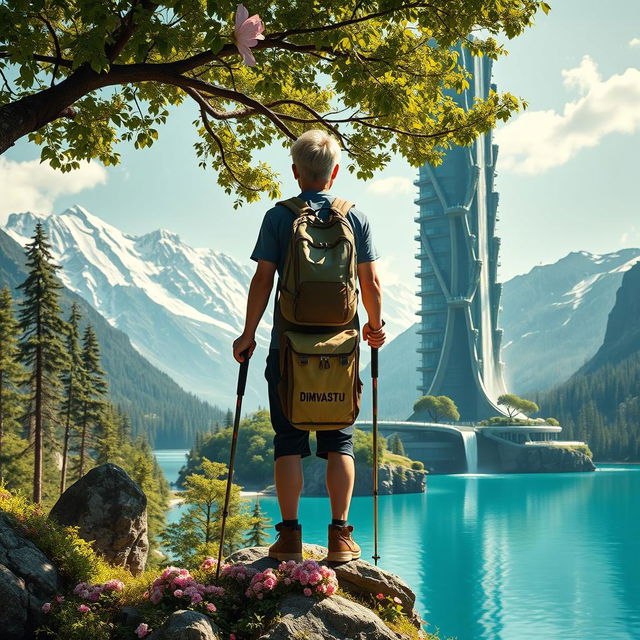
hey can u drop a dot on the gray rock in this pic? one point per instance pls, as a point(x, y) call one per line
point(334, 618)
point(357, 576)
point(552, 459)
point(187, 625)
point(110, 510)
point(392, 478)
point(27, 580)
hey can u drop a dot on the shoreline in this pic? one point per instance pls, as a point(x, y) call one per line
point(177, 500)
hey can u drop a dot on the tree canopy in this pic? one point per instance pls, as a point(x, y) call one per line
point(437, 407)
point(378, 74)
point(515, 404)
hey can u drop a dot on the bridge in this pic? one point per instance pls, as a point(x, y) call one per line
point(466, 448)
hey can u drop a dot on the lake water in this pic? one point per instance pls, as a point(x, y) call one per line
point(504, 557)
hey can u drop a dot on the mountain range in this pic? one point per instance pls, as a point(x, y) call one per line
point(554, 319)
point(600, 403)
point(181, 307)
point(157, 406)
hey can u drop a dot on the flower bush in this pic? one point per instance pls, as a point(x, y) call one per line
point(388, 608)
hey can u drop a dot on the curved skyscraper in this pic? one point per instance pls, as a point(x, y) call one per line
point(460, 297)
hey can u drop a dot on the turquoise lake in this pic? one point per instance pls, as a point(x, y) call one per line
point(504, 557)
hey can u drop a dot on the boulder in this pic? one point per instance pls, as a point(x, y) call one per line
point(552, 459)
point(110, 509)
point(333, 618)
point(392, 478)
point(357, 576)
point(187, 625)
point(27, 580)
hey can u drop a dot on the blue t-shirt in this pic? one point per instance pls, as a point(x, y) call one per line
point(272, 244)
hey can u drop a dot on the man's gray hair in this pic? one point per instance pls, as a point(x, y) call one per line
point(315, 153)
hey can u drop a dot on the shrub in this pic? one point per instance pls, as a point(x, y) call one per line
point(417, 465)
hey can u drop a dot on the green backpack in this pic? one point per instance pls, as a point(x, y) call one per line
point(319, 386)
point(319, 284)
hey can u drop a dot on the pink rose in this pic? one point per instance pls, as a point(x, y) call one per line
point(270, 583)
point(331, 589)
point(142, 630)
point(397, 600)
point(156, 596)
point(178, 593)
point(315, 577)
point(59, 599)
point(196, 598)
point(83, 608)
point(46, 607)
point(380, 596)
point(211, 607)
point(307, 591)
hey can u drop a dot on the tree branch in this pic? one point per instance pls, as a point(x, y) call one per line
point(57, 47)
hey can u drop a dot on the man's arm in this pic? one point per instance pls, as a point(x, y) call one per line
point(371, 291)
point(259, 292)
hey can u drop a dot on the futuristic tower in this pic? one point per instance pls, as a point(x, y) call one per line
point(458, 253)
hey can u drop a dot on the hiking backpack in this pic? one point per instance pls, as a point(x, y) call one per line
point(320, 387)
point(320, 273)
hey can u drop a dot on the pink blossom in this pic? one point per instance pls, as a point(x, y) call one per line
point(211, 607)
point(315, 577)
point(178, 593)
point(232, 636)
point(380, 596)
point(114, 585)
point(46, 607)
point(307, 591)
point(196, 598)
point(331, 589)
point(156, 596)
point(397, 600)
point(142, 630)
point(94, 596)
point(270, 583)
point(59, 599)
point(83, 608)
point(248, 30)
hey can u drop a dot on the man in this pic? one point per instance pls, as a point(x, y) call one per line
point(315, 166)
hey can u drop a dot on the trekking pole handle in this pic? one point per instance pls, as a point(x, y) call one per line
point(374, 362)
point(244, 368)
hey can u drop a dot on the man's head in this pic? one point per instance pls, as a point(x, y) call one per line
point(315, 157)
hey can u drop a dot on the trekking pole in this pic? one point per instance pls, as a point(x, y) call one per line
point(374, 394)
point(242, 383)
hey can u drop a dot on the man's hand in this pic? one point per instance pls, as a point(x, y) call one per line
point(374, 338)
point(241, 344)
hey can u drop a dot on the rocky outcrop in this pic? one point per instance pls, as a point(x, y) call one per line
point(187, 625)
point(27, 580)
point(358, 577)
point(333, 618)
point(551, 459)
point(110, 510)
point(392, 478)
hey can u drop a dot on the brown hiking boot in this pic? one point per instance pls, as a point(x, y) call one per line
point(288, 544)
point(342, 547)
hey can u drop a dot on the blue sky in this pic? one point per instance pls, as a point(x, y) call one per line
point(567, 169)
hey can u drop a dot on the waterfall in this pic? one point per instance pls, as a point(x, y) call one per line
point(470, 450)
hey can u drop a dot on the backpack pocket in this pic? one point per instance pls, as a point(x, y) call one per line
point(319, 386)
point(331, 303)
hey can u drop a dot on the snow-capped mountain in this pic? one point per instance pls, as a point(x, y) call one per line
point(554, 317)
point(182, 307)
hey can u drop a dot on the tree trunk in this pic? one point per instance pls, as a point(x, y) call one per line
point(1, 428)
point(37, 464)
point(83, 442)
point(32, 112)
point(65, 445)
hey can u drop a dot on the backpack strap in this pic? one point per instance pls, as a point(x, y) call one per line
point(341, 207)
point(295, 205)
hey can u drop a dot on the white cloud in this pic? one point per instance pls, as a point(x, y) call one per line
point(634, 42)
point(34, 186)
point(540, 140)
point(392, 185)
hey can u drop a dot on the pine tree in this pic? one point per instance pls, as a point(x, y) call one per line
point(256, 535)
point(95, 390)
point(395, 445)
point(197, 533)
point(73, 380)
point(11, 374)
point(228, 419)
point(41, 345)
